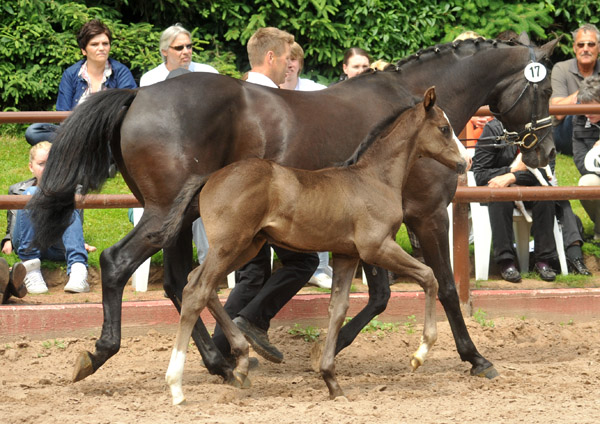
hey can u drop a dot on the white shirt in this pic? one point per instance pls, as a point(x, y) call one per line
point(161, 72)
point(305, 84)
point(260, 79)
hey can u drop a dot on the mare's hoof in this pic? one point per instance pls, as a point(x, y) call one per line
point(489, 372)
point(240, 381)
point(316, 353)
point(415, 363)
point(83, 367)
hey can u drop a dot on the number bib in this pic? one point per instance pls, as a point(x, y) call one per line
point(535, 72)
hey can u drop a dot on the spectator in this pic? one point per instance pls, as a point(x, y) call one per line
point(176, 51)
point(494, 167)
point(323, 274)
point(586, 135)
point(258, 295)
point(566, 78)
point(356, 61)
point(19, 235)
point(95, 72)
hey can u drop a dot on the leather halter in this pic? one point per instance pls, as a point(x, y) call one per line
point(526, 138)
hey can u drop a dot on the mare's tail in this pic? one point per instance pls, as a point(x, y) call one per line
point(80, 155)
point(174, 221)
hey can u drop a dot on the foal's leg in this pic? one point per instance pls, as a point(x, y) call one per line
point(428, 219)
point(393, 257)
point(177, 266)
point(343, 270)
point(195, 298)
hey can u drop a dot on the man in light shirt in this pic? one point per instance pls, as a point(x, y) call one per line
point(258, 295)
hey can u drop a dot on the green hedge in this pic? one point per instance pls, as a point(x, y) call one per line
point(37, 38)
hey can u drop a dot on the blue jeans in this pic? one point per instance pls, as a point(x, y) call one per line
point(563, 136)
point(71, 248)
point(36, 133)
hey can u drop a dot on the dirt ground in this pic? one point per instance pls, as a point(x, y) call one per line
point(549, 373)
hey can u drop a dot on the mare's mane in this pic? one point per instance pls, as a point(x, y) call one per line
point(380, 130)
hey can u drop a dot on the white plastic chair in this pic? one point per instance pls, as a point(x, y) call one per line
point(482, 238)
point(139, 281)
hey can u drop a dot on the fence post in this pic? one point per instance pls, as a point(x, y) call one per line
point(462, 262)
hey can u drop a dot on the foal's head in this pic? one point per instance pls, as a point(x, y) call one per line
point(435, 137)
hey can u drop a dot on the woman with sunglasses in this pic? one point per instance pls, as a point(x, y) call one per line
point(566, 78)
point(176, 52)
point(95, 72)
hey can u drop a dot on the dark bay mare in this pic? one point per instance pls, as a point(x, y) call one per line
point(253, 201)
point(166, 134)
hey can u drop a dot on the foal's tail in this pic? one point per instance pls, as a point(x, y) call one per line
point(80, 155)
point(174, 221)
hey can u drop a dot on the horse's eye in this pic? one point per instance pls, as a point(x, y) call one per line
point(445, 129)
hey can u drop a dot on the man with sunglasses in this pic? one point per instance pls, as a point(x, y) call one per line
point(176, 52)
point(566, 78)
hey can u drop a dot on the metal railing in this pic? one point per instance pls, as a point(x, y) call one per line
point(464, 195)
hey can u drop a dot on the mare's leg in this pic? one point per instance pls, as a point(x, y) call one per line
point(379, 295)
point(425, 207)
point(177, 265)
point(343, 270)
point(391, 256)
point(117, 263)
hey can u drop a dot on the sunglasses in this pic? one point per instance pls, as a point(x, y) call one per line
point(181, 47)
point(590, 44)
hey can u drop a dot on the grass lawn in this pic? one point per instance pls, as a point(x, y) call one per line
point(104, 227)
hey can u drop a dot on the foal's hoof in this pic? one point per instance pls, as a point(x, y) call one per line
point(83, 366)
point(415, 363)
point(489, 372)
point(240, 381)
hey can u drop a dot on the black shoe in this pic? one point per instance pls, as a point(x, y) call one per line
point(259, 340)
point(510, 273)
point(17, 280)
point(546, 273)
point(577, 266)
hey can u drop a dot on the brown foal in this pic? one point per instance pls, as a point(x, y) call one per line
point(353, 211)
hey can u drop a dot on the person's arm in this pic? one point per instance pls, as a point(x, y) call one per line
point(66, 92)
point(123, 76)
point(560, 89)
point(485, 159)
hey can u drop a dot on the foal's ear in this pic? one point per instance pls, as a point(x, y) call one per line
point(548, 48)
point(429, 98)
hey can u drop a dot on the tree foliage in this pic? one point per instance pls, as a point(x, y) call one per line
point(37, 38)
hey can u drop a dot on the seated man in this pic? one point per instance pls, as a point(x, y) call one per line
point(586, 134)
point(494, 167)
point(20, 233)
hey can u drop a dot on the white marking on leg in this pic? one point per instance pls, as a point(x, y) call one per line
point(174, 376)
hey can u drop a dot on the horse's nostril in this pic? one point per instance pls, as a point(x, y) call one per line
point(552, 154)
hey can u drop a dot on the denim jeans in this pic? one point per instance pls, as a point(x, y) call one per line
point(563, 136)
point(71, 248)
point(38, 132)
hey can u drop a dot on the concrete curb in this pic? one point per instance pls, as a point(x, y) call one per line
point(64, 320)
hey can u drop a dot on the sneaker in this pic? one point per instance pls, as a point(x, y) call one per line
point(34, 281)
point(321, 280)
point(78, 279)
point(259, 340)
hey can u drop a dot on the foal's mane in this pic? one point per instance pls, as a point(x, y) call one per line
point(378, 131)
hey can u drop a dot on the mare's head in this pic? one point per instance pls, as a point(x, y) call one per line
point(521, 102)
point(435, 137)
